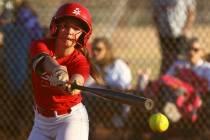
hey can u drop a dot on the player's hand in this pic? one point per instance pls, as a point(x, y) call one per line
point(79, 81)
point(66, 86)
point(59, 76)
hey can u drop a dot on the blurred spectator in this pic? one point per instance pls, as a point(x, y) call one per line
point(117, 75)
point(116, 71)
point(174, 20)
point(20, 10)
point(27, 17)
point(7, 13)
point(17, 34)
point(16, 37)
point(195, 61)
point(198, 78)
point(186, 83)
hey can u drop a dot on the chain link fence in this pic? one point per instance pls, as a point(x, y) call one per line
point(129, 26)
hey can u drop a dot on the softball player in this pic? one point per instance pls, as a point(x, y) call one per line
point(56, 62)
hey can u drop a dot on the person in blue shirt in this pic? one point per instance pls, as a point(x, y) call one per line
point(17, 35)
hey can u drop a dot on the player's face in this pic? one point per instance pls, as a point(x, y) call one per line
point(69, 31)
point(99, 51)
point(195, 53)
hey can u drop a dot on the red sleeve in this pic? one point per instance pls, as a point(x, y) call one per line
point(81, 67)
point(38, 47)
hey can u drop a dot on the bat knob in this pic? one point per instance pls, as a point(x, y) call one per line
point(149, 104)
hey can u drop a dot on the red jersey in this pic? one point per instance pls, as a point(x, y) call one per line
point(46, 96)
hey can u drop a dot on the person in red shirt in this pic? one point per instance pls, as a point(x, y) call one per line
point(57, 62)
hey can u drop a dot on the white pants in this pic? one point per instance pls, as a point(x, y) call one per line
point(73, 126)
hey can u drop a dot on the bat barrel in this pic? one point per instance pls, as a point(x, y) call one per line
point(121, 97)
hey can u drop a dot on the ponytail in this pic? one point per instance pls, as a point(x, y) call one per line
point(94, 71)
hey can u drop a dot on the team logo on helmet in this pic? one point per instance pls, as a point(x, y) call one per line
point(76, 11)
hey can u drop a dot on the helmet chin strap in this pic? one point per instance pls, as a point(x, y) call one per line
point(76, 42)
point(80, 45)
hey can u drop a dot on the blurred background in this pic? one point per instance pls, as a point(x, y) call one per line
point(130, 26)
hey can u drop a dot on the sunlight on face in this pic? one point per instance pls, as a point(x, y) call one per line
point(69, 32)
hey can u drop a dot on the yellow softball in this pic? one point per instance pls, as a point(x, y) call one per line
point(158, 122)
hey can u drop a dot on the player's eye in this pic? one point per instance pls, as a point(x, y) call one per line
point(65, 26)
point(75, 27)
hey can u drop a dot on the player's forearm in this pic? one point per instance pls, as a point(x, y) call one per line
point(49, 64)
point(44, 63)
point(58, 73)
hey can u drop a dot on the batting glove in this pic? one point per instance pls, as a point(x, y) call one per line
point(59, 76)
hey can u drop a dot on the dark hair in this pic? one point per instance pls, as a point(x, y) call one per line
point(94, 71)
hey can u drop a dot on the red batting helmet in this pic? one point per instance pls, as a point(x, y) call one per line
point(77, 11)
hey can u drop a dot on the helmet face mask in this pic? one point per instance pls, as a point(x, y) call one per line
point(78, 13)
point(69, 30)
point(75, 22)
